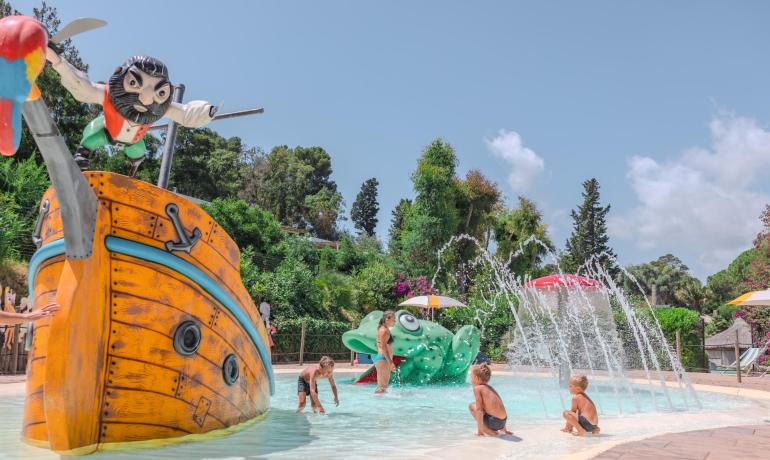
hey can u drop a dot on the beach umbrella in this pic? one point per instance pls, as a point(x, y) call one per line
point(433, 302)
point(758, 298)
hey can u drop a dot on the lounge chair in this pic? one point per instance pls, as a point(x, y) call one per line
point(748, 360)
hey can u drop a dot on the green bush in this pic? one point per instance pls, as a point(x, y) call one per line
point(494, 332)
point(687, 322)
point(336, 296)
point(291, 290)
point(373, 287)
point(248, 226)
point(12, 228)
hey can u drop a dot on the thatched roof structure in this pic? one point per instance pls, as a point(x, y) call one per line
point(726, 338)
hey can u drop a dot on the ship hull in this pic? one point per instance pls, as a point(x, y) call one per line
point(152, 342)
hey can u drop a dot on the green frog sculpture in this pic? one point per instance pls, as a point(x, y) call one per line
point(428, 352)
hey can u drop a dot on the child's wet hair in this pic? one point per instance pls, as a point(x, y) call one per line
point(579, 380)
point(482, 371)
point(326, 362)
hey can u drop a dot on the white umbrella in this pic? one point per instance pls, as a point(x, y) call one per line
point(432, 301)
point(761, 298)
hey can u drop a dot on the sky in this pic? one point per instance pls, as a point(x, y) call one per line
point(667, 104)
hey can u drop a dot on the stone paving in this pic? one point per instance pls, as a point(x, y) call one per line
point(734, 443)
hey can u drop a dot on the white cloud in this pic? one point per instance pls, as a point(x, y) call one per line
point(705, 202)
point(525, 163)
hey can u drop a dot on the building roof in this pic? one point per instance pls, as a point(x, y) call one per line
point(726, 338)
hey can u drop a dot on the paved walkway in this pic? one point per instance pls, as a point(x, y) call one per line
point(734, 443)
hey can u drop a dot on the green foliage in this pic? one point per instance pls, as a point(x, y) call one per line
point(296, 185)
point(757, 276)
point(22, 184)
point(476, 200)
point(725, 285)
point(251, 275)
point(299, 248)
point(206, 165)
point(336, 296)
point(373, 287)
point(589, 237)
point(512, 229)
point(684, 320)
point(365, 208)
point(354, 253)
point(322, 210)
point(722, 319)
point(249, 226)
point(666, 281)
point(432, 219)
point(396, 226)
point(11, 229)
point(291, 290)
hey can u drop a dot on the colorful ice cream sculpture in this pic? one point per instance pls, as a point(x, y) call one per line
point(23, 42)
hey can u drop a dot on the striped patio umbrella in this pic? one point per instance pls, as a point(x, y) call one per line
point(759, 298)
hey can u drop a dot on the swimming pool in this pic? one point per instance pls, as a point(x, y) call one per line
point(407, 422)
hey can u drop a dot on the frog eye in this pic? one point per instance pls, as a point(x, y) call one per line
point(409, 322)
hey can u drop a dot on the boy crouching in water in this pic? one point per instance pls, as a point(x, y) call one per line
point(488, 410)
point(307, 384)
point(582, 416)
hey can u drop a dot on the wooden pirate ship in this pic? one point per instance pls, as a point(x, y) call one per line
point(156, 338)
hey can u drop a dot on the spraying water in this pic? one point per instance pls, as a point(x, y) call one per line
point(568, 323)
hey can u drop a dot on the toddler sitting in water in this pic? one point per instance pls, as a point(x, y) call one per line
point(307, 384)
point(582, 416)
point(488, 410)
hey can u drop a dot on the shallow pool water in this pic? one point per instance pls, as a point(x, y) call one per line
point(403, 423)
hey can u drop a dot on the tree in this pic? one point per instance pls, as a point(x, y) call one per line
point(296, 185)
point(662, 279)
point(476, 203)
point(432, 218)
point(248, 226)
point(206, 165)
point(373, 286)
point(396, 226)
point(589, 239)
point(725, 285)
point(758, 274)
point(365, 208)
point(322, 210)
point(513, 228)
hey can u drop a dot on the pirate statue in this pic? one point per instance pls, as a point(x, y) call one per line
point(136, 96)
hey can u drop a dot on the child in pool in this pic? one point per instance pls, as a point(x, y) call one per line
point(488, 410)
point(582, 416)
point(307, 384)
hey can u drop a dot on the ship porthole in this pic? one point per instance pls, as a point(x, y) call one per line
point(230, 370)
point(187, 338)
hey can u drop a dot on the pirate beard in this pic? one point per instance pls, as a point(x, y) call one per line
point(124, 103)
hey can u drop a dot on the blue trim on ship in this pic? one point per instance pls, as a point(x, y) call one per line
point(179, 265)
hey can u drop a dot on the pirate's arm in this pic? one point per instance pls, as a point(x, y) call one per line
point(76, 82)
point(193, 114)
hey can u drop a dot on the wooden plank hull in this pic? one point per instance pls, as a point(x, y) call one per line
point(105, 370)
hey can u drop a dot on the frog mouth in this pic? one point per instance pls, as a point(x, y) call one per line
point(370, 375)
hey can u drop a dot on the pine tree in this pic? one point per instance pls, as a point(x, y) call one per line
point(589, 236)
point(365, 208)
